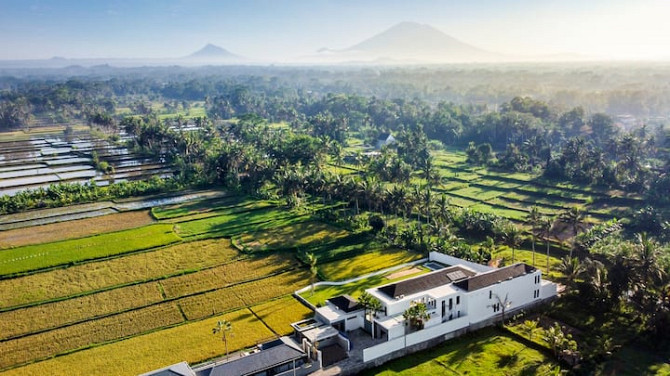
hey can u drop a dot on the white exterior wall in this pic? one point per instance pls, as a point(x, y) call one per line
point(548, 290)
point(436, 331)
point(382, 349)
point(401, 342)
point(451, 260)
point(401, 305)
point(519, 292)
point(354, 322)
point(396, 331)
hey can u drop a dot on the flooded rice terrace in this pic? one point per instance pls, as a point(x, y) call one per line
point(47, 159)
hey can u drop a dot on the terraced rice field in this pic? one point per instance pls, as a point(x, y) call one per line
point(192, 342)
point(280, 313)
point(96, 276)
point(39, 160)
point(84, 302)
point(34, 257)
point(511, 195)
point(73, 229)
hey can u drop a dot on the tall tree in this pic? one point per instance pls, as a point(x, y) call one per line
point(512, 239)
point(313, 269)
point(544, 227)
point(574, 218)
point(533, 219)
point(223, 327)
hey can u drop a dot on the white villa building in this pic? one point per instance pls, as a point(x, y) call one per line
point(459, 297)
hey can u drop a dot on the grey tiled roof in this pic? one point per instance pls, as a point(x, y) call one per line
point(424, 282)
point(345, 303)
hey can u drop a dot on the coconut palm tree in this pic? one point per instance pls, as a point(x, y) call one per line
point(313, 269)
point(528, 328)
point(503, 304)
point(533, 219)
point(571, 269)
point(646, 268)
point(512, 239)
point(223, 327)
point(544, 228)
point(416, 315)
point(574, 218)
point(371, 305)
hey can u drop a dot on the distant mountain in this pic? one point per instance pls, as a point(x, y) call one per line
point(413, 42)
point(212, 52)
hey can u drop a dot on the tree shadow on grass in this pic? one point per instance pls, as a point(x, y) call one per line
point(459, 350)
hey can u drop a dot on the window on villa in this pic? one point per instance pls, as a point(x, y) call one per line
point(451, 303)
point(458, 300)
point(490, 294)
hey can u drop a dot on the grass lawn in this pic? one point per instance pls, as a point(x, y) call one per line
point(485, 352)
point(526, 256)
point(34, 257)
point(73, 229)
point(321, 293)
point(366, 263)
point(295, 235)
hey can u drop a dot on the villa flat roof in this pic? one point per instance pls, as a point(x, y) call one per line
point(426, 282)
point(491, 278)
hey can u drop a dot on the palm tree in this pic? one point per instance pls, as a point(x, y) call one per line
point(574, 218)
point(416, 315)
point(503, 304)
point(489, 246)
point(427, 204)
point(223, 326)
point(559, 341)
point(528, 328)
point(443, 208)
point(512, 239)
point(371, 305)
point(646, 267)
point(571, 269)
point(544, 226)
point(533, 219)
point(313, 269)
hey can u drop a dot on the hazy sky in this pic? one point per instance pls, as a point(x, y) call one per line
point(281, 29)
